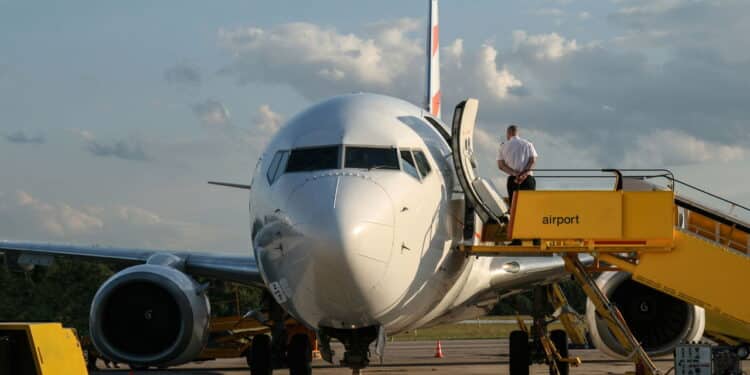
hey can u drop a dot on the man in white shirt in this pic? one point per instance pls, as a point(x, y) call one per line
point(517, 157)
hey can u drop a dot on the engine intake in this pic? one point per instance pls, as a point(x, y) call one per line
point(150, 315)
point(658, 320)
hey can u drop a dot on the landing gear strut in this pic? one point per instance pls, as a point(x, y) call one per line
point(356, 343)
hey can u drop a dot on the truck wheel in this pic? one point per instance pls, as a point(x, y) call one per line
point(519, 353)
point(560, 338)
point(299, 355)
point(260, 356)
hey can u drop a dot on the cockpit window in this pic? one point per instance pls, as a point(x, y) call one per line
point(371, 158)
point(422, 163)
point(277, 166)
point(313, 159)
point(408, 163)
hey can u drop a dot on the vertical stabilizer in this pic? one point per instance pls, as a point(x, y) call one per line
point(432, 99)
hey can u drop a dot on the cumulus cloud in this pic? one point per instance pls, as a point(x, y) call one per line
point(692, 78)
point(20, 211)
point(266, 120)
point(183, 74)
point(386, 57)
point(543, 46)
point(23, 216)
point(669, 147)
point(22, 137)
point(453, 53)
point(498, 82)
point(317, 59)
point(211, 113)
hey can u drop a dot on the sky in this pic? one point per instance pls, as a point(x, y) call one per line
point(113, 115)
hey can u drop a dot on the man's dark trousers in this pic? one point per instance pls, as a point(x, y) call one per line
point(528, 184)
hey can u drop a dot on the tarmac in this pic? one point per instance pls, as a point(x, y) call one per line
point(418, 357)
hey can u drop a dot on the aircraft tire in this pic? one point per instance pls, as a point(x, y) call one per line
point(260, 356)
point(560, 338)
point(519, 353)
point(299, 355)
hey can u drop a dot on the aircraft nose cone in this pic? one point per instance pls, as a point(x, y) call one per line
point(346, 223)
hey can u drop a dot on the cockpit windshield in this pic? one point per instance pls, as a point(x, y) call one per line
point(371, 158)
point(313, 159)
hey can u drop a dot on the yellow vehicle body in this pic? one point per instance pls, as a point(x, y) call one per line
point(703, 262)
point(41, 349)
point(624, 217)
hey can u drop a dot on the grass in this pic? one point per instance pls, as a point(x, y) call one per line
point(458, 331)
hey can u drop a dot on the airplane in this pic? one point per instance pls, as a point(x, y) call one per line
point(357, 209)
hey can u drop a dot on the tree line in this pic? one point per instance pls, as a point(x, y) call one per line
point(63, 293)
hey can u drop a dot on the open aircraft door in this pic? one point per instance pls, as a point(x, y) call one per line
point(483, 204)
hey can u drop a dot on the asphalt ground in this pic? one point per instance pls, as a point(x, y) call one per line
point(418, 357)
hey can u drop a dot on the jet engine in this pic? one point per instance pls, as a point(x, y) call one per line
point(150, 315)
point(658, 320)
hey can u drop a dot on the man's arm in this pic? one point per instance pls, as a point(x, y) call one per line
point(526, 170)
point(529, 165)
point(505, 168)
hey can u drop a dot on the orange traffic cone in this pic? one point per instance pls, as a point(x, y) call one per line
point(439, 350)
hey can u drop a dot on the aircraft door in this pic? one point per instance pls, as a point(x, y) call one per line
point(480, 197)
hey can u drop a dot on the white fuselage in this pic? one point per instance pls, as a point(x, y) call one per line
point(345, 247)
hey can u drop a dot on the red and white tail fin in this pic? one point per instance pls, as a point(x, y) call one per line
point(432, 100)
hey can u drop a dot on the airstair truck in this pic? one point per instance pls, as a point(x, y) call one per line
point(663, 240)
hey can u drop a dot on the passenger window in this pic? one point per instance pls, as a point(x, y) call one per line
point(313, 159)
point(408, 163)
point(422, 163)
point(277, 166)
point(371, 158)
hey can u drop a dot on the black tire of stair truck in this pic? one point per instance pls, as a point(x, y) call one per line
point(560, 338)
point(520, 359)
point(260, 355)
point(299, 355)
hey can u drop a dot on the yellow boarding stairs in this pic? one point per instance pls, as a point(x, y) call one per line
point(667, 242)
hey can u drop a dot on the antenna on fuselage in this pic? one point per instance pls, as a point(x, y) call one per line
point(432, 97)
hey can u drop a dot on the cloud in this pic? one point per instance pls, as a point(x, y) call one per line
point(183, 74)
point(498, 82)
point(133, 148)
point(549, 12)
point(659, 74)
point(23, 216)
point(386, 57)
point(127, 149)
point(319, 60)
point(211, 113)
point(22, 138)
point(543, 46)
point(266, 120)
point(19, 212)
point(453, 53)
point(674, 148)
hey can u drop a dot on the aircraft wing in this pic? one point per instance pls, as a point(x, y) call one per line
point(230, 267)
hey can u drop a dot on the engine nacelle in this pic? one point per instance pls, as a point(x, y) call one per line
point(150, 315)
point(658, 320)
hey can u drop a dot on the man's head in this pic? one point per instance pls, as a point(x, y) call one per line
point(512, 131)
